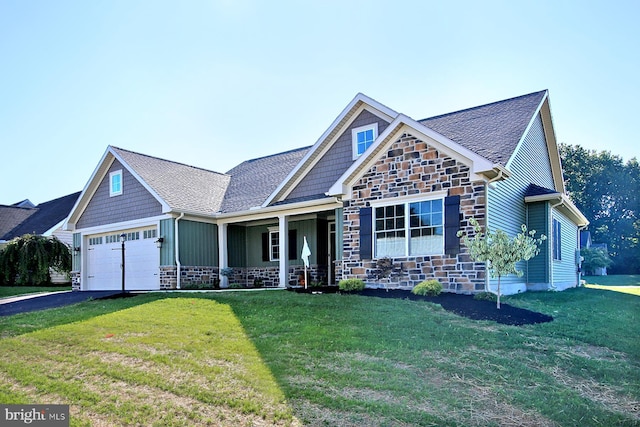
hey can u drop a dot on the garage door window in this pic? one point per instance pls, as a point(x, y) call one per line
point(149, 234)
point(95, 241)
point(134, 235)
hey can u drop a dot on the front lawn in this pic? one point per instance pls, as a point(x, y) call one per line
point(284, 358)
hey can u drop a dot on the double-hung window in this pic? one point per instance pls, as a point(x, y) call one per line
point(409, 229)
point(274, 245)
point(362, 137)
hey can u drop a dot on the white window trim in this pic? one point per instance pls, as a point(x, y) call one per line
point(354, 137)
point(273, 230)
point(111, 175)
point(406, 201)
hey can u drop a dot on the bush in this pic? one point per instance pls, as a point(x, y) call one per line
point(486, 296)
point(431, 288)
point(351, 285)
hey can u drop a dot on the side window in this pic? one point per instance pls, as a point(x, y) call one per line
point(557, 240)
point(274, 246)
point(115, 183)
point(362, 137)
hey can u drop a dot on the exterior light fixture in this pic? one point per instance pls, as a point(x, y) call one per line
point(159, 242)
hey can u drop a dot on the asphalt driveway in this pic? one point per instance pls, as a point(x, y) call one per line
point(10, 306)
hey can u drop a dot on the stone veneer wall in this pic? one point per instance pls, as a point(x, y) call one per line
point(412, 167)
point(75, 280)
point(245, 275)
point(188, 275)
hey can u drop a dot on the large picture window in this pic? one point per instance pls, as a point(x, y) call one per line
point(409, 229)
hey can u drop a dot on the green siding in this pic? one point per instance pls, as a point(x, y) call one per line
point(167, 252)
point(76, 257)
point(506, 208)
point(198, 243)
point(538, 266)
point(564, 271)
point(237, 246)
point(304, 228)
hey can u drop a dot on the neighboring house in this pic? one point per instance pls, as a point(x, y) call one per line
point(379, 196)
point(585, 242)
point(45, 219)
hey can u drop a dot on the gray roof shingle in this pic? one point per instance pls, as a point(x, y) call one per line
point(41, 218)
point(492, 130)
point(182, 187)
point(254, 180)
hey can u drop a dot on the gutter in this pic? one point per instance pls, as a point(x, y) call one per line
point(177, 250)
point(552, 242)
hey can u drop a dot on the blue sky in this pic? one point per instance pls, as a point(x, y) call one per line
point(213, 83)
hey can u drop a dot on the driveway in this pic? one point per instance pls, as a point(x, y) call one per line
point(25, 304)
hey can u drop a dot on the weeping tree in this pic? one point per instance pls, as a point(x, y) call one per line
point(499, 251)
point(26, 260)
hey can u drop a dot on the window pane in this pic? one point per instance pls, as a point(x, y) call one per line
point(426, 228)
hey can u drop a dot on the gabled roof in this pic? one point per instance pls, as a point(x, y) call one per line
point(176, 186)
point(254, 180)
point(43, 217)
point(492, 130)
point(182, 187)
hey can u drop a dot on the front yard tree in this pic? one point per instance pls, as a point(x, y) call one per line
point(499, 251)
point(26, 260)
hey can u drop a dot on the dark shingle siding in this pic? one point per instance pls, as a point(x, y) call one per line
point(135, 202)
point(336, 161)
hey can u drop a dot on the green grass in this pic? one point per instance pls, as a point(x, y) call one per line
point(279, 357)
point(615, 280)
point(9, 291)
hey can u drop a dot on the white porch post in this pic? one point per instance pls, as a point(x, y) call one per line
point(223, 260)
point(283, 234)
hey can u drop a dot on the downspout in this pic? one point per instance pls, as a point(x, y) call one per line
point(552, 243)
point(177, 250)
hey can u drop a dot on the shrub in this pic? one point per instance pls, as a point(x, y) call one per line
point(485, 296)
point(236, 286)
point(351, 285)
point(428, 287)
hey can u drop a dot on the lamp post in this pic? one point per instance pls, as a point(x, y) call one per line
point(123, 237)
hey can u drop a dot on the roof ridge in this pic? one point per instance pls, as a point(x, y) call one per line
point(278, 154)
point(169, 161)
point(483, 105)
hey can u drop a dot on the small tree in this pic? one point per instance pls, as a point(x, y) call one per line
point(594, 258)
point(26, 260)
point(499, 251)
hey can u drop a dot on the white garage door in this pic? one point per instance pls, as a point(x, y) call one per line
point(142, 261)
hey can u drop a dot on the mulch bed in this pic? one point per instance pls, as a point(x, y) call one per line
point(462, 305)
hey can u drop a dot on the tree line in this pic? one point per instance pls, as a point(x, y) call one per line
point(606, 190)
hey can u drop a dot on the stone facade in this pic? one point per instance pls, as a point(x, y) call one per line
point(189, 275)
point(75, 280)
point(411, 168)
point(269, 276)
